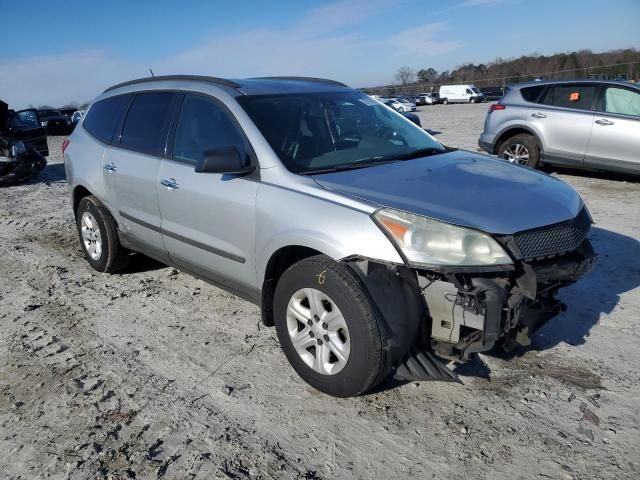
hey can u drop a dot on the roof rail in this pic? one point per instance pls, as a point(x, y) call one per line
point(200, 78)
point(303, 79)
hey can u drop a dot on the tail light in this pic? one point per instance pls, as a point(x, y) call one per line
point(65, 144)
point(496, 106)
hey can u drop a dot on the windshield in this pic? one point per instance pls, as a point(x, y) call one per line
point(475, 90)
point(314, 132)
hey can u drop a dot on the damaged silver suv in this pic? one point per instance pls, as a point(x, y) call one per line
point(372, 248)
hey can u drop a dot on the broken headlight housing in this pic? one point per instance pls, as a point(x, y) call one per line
point(426, 242)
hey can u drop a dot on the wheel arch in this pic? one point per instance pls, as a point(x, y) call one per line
point(512, 130)
point(79, 192)
point(277, 264)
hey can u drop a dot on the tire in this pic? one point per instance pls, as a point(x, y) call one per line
point(472, 100)
point(526, 148)
point(365, 366)
point(445, 102)
point(101, 227)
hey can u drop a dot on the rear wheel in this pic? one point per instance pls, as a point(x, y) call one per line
point(327, 327)
point(99, 236)
point(521, 149)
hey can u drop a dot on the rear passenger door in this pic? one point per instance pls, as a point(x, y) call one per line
point(564, 119)
point(615, 139)
point(131, 170)
point(208, 219)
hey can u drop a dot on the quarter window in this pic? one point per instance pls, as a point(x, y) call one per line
point(145, 128)
point(105, 116)
point(530, 94)
point(570, 96)
point(203, 126)
point(621, 100)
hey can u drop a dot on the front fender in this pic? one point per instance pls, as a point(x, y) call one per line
point(290, 218)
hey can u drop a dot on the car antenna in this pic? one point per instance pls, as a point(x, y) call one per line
point(151, 71)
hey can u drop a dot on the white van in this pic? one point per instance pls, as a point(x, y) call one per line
point(460, 94)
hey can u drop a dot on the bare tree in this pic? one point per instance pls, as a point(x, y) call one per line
point(406, 75)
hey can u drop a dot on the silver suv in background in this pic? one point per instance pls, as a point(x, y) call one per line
point(373, 249)
point(580, 124)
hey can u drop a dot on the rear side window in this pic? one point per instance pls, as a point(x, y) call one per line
point(146, 125)
point(530, 94)
point(570, 96)
point(105, 116)
point(622, 100)
point(204, 126)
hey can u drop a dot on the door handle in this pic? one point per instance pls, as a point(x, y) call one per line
point(171, 184)
point(111, 168)
point(538, 115)
point(603, 121)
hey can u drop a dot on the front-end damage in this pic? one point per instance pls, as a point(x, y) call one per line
point(471, 312)
point(435, 315)
point(18, 162)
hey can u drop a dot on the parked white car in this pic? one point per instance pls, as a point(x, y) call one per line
point(398, 105)
point(460, 94)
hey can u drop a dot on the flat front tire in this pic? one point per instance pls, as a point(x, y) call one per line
point(99, 237)
point(328, 328)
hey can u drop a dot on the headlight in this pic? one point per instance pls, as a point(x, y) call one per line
point(427, 242)
point(44, 123)
point(17, 149)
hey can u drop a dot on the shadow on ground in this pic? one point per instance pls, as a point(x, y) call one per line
point(139, 263)
point(52, 173)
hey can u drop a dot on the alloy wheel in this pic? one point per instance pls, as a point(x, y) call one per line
point(318, 331)
point(91, 236)
point(517, 153)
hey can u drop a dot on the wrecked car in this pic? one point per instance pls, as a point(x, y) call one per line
point(23, 145)
point(372, 249)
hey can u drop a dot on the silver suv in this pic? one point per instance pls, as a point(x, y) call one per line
point(580, 124)
point(373, 249)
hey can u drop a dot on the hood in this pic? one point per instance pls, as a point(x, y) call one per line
point(463, 188)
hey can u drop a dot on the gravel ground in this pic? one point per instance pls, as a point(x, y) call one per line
point(154, 374)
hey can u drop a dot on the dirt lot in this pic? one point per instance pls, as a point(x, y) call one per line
point(154, 374)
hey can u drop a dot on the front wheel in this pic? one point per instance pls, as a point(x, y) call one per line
point(328, 328)
point(521, 149)
point(445, 102)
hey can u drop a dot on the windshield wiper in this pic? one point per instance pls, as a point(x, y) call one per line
point(421, 152)
point(380, 160)
point(363, 163)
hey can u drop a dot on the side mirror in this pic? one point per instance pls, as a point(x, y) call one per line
point(224, 160)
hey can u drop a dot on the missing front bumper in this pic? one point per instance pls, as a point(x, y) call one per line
point(471, 313)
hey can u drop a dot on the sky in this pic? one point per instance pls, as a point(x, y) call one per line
point(58, 52)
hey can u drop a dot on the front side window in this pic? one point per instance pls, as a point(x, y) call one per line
point(570, 96)
point(203, 126)
point(146, 125)
point(622, 100)
point(105, 116)
point(316, 132)
point(468, 90)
